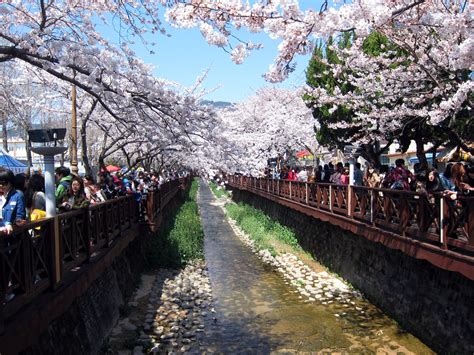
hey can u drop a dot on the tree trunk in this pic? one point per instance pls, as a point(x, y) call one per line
point(101, 163)
point(433, 151)
point(85, 157)
point(371, 155)
point(420, 150)
point(4, 132)
point(29, 160)
point(102, 154)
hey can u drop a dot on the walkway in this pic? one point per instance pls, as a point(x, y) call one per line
point(257, 312)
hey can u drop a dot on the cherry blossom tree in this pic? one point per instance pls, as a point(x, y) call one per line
point(430, 84)
point(262, 127)
point(27, 99)
point(138, 114)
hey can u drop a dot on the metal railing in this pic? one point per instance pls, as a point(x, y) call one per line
point(432, 218)
point(38, 256)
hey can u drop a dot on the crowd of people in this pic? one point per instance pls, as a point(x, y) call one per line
point(456, 177)
point(23, 198)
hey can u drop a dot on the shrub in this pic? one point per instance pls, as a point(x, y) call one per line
point(180, 238)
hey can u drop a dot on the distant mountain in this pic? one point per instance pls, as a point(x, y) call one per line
point(217, 104)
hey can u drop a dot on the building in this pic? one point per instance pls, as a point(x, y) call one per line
point(409, 156)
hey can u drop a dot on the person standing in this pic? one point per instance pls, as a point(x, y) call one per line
point(336, 176)
point(75, 197)
point(372, 177)
point(358, 175)
point(13, 209)
point(399, 178)
point(63, 181)
point(35, 198)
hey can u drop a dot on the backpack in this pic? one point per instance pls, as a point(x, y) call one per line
point(65, 184)
point(397, 185)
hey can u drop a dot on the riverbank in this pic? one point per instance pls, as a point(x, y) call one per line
point(180, 239)
point(167, 310)
point(366, 326)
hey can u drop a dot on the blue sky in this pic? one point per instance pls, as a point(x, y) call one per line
point(185, 55)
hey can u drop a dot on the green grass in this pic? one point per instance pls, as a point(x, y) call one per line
point(218, 192)
point(180, 238)
point(261, 228)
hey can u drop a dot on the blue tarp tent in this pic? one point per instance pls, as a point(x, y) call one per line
point(7, 161)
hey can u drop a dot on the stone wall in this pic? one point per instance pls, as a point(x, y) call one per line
point(433, 304)
point(85, 325)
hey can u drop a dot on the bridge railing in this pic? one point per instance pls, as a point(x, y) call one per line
point(159, 197)
point(38, 256)
point(433, 218)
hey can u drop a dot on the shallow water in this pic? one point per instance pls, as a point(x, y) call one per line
point(257, 311)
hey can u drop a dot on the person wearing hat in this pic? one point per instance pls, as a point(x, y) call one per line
point(13, 209)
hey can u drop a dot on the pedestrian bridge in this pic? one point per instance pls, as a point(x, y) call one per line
point(432, 228)
point(47, 264)
point(62, 270)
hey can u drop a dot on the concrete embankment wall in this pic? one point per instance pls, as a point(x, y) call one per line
point(97, 299)
point(91, 316)
point(433, 304)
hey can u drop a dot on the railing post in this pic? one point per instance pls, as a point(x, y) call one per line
point(469, 222)
point(330, 198)
point(118, 213)
point(25, 267)
point(372, 201)
point(2, 322)
point(106, 224)
point(268, 185)
point(56, 267)
point(278, 188)
point(349, 200)
point(290, 190)
point(87, 232)
point(443, 228)
point(307, 197)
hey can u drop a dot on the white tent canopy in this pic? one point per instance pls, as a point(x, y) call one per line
point(7, 161)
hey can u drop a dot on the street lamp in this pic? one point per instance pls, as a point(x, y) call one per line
point(48, 143)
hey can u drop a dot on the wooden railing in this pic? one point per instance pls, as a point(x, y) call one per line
point(157, 198)
point(38, 256)
point(434, 219)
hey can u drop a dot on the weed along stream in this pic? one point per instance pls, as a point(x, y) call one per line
point(243, 299)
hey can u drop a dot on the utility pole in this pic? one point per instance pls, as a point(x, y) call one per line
point(74, 168)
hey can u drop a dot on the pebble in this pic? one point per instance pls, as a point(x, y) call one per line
point(188, 334)
point(155, 349)
point(159, 330)
point(185, 348)
point(129, 326)
point(310, 285)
